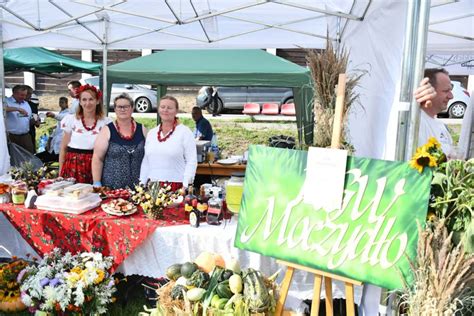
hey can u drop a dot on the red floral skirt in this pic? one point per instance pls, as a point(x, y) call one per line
point(78, 165)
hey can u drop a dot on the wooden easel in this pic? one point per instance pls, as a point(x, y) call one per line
point(318, 274)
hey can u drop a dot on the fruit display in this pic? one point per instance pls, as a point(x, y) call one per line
point(210, 286)
point(154, 197)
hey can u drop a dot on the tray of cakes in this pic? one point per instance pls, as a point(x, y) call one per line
point(73, 199)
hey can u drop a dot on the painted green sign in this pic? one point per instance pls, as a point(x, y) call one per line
point(368, 239)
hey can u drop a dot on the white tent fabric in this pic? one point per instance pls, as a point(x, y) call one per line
point(133, 24)
point(451, 28)
point(451, 37)
point(372, 30)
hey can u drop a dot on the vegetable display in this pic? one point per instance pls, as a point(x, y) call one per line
point(225, 290)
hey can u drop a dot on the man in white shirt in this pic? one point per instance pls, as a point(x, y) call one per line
point(73, 87)
point(434, 94)
point(18, 118)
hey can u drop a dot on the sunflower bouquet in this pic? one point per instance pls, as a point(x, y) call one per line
point(68, 284)
point(428, 155)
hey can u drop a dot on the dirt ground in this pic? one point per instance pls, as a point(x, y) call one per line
point(186, 99)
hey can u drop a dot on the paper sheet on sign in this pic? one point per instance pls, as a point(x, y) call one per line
point(325, 173)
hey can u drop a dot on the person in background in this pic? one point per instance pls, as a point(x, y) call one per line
point(80, 131)
point(203, 129)
point(35, 122)
point(73, 87)
point(18, 118)
point(434, 94)
point(119, 148)
point(53, 147)
point(170, 149)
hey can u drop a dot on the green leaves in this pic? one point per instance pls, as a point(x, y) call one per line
point(452, 190)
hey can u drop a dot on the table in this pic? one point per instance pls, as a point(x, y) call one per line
point(216, 169)
point(180, 243)
point(92, 231)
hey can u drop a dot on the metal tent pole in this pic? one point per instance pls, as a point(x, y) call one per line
point(105, 90)
point(412, 72)
point(4, 165)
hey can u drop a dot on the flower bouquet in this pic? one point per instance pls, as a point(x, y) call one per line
point(9, 287)
point(68, 284)
point(428, 155)
point(154, 197)
point(452, 193)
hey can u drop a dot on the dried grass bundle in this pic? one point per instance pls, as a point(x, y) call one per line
point(325, 66)
point(443, 276)
point(172, 307)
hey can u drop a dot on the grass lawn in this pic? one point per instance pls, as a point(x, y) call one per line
point(233, 136)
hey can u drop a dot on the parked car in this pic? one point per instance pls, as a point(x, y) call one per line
point(457, 106)
point(235, 97)
point(144, 98)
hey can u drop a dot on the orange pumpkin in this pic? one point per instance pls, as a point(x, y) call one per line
point(219, 260)
point(207, 261)
point(15, 305)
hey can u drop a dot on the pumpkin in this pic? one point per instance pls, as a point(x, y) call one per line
point(207, 261)
point(219, 260)
point(15, 305)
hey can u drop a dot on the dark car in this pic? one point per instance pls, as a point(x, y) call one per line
point(234, 98)
point(145, 99)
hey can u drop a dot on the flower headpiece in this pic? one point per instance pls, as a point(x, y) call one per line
point(85, 87)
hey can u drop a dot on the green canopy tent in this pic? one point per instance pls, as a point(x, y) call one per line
point(222, 67)
point(43, 61)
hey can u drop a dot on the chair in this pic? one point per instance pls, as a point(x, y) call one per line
point(288, 109)
point(270, 109)
point(251, 108)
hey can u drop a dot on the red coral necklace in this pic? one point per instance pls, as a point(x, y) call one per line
point(134, 128)
point(160, 131)
point(88, 128)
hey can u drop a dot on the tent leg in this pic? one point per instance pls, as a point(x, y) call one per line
point(412, 73)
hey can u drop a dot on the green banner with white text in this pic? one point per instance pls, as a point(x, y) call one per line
point(368, 239)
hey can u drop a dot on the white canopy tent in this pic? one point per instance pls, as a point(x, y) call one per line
point(373, 30)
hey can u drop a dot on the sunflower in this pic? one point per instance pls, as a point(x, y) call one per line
point(421, 159)
point(433, 143)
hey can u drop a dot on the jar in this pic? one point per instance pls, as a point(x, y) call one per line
point(4, 194)
point(210, 156)
point(19, 190)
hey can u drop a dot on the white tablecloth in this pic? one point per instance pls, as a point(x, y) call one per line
point(178, 244)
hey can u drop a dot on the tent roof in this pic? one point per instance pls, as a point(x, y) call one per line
point(223, 67)
point(41, 60)
point(136, 24)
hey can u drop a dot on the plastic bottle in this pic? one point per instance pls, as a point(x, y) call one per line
point(214, 147)
point(43, 140)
